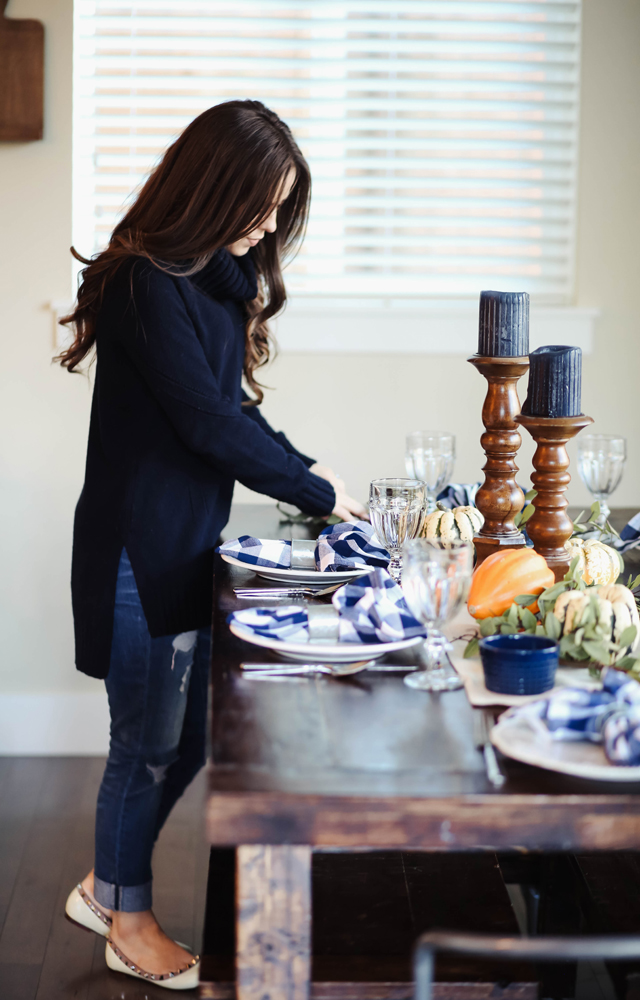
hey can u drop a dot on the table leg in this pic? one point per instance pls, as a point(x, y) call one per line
point(273, 919)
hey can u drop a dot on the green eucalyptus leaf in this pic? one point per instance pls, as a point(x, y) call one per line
point(529, 620)
point(524, 600)
point(553, 592)
point(512, 615)
point(580, 653)
point(540, 629)
point(471, 649)
point(488, 627)
point(597, 651)
point(527, 513)
point(552, 626)
point(579, 636)
point(595, 510)
point(629, 663)
point(508, 629)
point(628, 635)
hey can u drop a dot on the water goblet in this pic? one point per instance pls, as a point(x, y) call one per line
point(601, 459)
point(435, 583)
point(396, 507)
point(430, 456)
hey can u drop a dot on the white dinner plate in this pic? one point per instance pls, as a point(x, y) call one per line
point(324, 652)
point(302, 576)
point(515, 738)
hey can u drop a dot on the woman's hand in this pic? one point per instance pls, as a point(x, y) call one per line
point(346, 507)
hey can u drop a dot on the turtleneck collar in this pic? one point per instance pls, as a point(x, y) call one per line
point(228, 277)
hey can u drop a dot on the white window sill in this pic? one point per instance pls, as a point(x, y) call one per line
point(313, 325)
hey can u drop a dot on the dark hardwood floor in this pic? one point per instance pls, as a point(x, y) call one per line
point(47, 807)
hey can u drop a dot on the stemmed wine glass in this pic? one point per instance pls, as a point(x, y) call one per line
point(436, 580)
point(430, 456)
point(396, 507)
point(601, 459)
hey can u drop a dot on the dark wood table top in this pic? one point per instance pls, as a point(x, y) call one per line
point(368, 762)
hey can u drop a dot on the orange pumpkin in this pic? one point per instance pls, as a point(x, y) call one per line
point(505, 575)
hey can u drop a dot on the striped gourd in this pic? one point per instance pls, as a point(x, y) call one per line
point(449, 525)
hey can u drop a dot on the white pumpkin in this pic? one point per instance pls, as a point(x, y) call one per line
point(615, 608)
point(599, 563)
point(449, 525)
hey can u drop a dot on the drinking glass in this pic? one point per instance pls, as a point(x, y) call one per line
point(601, 458)
point(397, 509)
point(435, 583)
point(430, 456)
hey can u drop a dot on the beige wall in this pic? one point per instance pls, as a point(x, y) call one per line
point(351, 411)
point(44, 410)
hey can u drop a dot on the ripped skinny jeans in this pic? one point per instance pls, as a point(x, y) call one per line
point(157, 691)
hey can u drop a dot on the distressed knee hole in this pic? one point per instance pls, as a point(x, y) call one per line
point(183, 643)
point(185, 679)
point(158, 772)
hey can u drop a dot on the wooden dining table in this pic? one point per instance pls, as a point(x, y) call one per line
point(308, 765)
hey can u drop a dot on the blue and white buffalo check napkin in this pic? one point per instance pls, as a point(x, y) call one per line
point(339, 547)
point(371, 609)
point(610, 716)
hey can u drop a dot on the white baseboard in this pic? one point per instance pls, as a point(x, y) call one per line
point(56, 725)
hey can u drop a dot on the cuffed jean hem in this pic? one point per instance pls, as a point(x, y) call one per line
point(124, 898)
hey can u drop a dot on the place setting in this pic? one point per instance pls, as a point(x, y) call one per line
point(367, 617)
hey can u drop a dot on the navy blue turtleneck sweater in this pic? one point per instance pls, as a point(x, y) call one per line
point(167, 440)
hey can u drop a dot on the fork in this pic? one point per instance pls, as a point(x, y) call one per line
point(250, 593)
point(296, 669)
point(482, 740)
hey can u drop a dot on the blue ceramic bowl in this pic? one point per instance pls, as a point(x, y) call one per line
point(519, 664)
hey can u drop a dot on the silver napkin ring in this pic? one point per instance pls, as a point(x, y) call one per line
point(324, 623)
point(303, 553)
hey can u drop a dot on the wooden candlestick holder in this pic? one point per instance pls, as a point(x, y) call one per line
point(500, 499)
point(549, 527)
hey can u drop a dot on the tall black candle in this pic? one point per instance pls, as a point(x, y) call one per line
point(555, 382)
point(503, 330)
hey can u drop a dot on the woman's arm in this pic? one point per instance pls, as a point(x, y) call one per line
point(159, 337)
point(255, 414)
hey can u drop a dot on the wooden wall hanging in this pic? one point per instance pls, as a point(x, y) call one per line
point(21, 78)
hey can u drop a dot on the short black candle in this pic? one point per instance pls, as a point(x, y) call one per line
point(555, 382)
point(503, 330)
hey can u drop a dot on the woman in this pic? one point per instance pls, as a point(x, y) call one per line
point(177, 307)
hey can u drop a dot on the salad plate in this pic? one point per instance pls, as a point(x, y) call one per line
point(516, 738)
point(335, 652)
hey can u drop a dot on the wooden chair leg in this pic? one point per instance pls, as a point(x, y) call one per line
point(273, 922)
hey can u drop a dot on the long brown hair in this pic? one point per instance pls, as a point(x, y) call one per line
point(218, 180)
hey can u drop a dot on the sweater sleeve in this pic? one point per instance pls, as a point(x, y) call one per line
point(159, 337)
point(255, 414)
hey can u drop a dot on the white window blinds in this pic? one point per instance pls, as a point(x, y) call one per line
point(441, 134)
